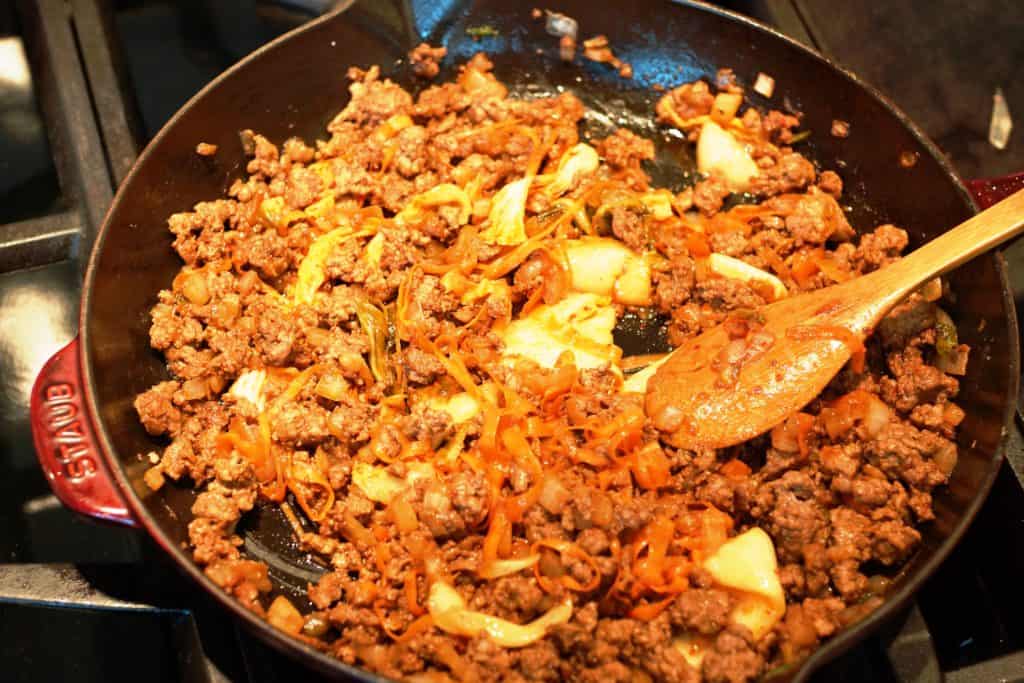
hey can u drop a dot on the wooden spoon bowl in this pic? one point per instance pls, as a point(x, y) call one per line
point(719, 389)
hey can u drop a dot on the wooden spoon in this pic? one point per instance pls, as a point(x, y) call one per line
point(808, 338)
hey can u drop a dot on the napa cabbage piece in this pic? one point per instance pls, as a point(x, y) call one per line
point(440, 195)
point(450, 614)
point(735, 269)
point(249, 385)
point(580, 161)
point(506, 221)
point(381, 486)
point(746, 565)
point(581, 323)
point(601, 265)
point(311, 270)
point(720, 153)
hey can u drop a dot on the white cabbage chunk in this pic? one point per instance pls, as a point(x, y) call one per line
point(746, 564)
point(601, 265)
point(721, 153)
point(735, 269)
point(578, 162)
point(581, 323)
point(439, 195)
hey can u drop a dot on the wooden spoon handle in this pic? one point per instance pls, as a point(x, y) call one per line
point(976, 235)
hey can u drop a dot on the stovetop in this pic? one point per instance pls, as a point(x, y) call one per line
point(84, 83)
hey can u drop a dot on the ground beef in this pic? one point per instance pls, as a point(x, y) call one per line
point(156, 410)
point(909, 454)
point(629, 227)
point(727, 295)
point(625, 149)
point(915, 382)
point(829, 182)
point(424, 59)
point(730, 243)
point(672, 286)
point(709, 194)
point(816, 218)
point(792, 172)
point(791, 514)
point(733, 658)
point(300, 424)
point(879, 247)
point(421, 367)
point(685, 102)
point(703, 610)
point(373, 100)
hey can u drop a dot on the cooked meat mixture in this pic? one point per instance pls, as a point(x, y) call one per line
point(401, 339)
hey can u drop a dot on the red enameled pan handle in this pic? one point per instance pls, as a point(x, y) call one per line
point(988, 191)
point(66, 443)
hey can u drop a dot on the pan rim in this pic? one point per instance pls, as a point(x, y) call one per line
point(332, 666)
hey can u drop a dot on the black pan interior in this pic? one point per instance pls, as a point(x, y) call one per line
point(295, 86)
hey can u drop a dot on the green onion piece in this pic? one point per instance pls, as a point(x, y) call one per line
point(483, 31)
point(375, 325)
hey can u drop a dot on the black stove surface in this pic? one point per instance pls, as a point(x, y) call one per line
point(92, 603)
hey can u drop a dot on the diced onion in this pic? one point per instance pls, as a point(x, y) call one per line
point(600, 265)
point(725, 106)
point(375, 483)
point(945, 458)
point(554, 496)
point(721, 153)
point(194, 389)
point(154, 478)
point(194, 288)
point(283, 614)
point(249, 386)
point(842, 413)
point(764, 85)
point(332, 386)
point(876, 417)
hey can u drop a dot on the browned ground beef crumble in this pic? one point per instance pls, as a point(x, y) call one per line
point(839, 509)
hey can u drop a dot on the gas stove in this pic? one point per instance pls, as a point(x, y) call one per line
point(83, 85)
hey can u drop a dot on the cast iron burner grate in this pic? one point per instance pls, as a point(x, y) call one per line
point(82, 601)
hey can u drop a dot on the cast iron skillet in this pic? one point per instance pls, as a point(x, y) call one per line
point(88, 436)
